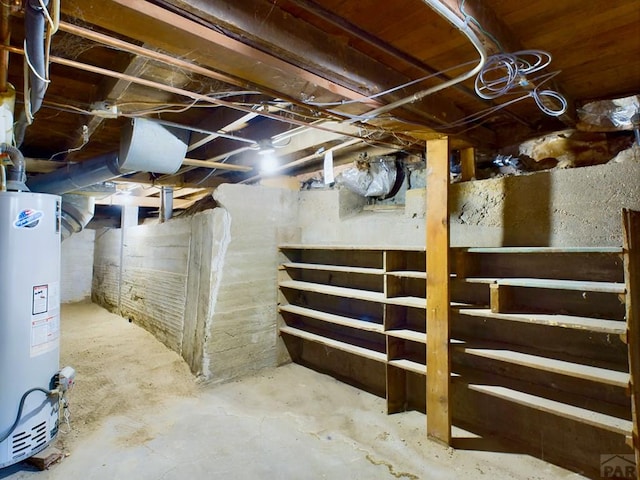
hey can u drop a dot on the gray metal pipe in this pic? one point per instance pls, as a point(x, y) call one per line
point(78, 175)
point(17, 174)
point(34, 21)
point(166, 203)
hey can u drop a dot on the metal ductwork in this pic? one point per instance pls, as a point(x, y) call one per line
point(145, 146)
point(77, 212)
point(76, 176)
point(17, 173)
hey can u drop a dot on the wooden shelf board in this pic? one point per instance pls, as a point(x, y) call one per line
point(332, 318)
point(596, 419)
point(375, 248)
point(416, 302)
point(613, 327)
point(562, 367)
point(603, 287)
point(407, 334)
point(541, 249)
point(475, 280)
point(338, 345)
point(334, 268)
point(367, 295)
point(408, 274)
point(332, 290)
point(409, 365)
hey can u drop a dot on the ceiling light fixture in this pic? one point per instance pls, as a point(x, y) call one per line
point(269, 164)
point(265, 147)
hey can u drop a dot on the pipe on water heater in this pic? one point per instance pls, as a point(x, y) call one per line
point(17, 174)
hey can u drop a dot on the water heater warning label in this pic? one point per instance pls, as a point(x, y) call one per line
point(45, 333)
point(40, 299)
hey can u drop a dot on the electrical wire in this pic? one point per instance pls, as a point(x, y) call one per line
point(213, 170)
point(469, 18)
point(85, 140)
point(31, 67)
point(504, 71)
point(391, 90)
point(507, 73)
point(66, 415)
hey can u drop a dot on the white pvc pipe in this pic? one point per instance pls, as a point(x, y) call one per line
point(473, 38)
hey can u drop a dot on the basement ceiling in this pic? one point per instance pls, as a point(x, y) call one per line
point(308, 76)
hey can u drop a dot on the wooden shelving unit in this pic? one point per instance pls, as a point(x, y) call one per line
point(535, 331)
point(548, 350)
point(369, 303)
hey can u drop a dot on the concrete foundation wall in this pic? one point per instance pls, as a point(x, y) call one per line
point(76, 269)
point(205, 285)
point(242, 336)
point(153, 287)
point(572, 207)
point(106, 268)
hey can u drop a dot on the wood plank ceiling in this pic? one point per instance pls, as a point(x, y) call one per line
point(264, 69)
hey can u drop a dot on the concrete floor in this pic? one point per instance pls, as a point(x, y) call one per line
point(287, 423)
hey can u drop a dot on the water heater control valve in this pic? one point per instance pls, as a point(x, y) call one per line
point(65, 379)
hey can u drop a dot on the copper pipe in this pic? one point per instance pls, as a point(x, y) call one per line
point(5, 38)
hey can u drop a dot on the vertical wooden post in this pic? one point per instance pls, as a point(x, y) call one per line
point(468, 164)
point(631, 227)
point(437, 220)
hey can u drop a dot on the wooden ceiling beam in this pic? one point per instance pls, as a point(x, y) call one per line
point(149, 23)
point(310, 70)
point(331, 57)
point(140, 201)
point(110, 90)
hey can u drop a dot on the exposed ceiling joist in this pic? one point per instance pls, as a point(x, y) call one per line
point(173, 33)
point(153, 202)
point(498, 38)
point(330, 56)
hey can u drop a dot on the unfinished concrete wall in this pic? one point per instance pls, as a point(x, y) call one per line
point(106, 268)
point(205, 285)
point(153, 285)
point(76, 267)
point(563, 207)
point(142, 273)
point(572, 207)
point(242, 334)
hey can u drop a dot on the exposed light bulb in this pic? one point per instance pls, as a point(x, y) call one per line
point(268, 164)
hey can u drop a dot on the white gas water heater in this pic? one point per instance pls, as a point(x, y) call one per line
point(33, 387)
